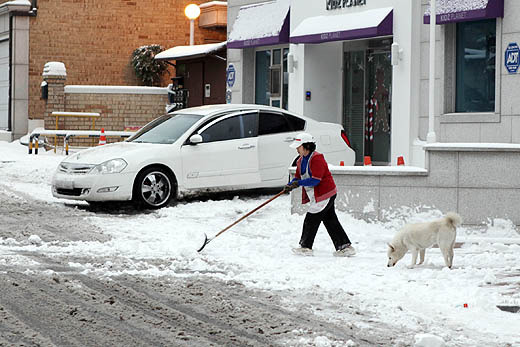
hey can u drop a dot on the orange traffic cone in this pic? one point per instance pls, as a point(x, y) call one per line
point(102, 138)
point(368, 160)
point(400, 160)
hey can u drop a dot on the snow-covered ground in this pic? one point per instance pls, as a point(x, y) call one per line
point(457, 305)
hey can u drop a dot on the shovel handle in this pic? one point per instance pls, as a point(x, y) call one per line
point(206, 241)
point(249, 213)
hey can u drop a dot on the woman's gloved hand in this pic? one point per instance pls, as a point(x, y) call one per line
point(290, 186)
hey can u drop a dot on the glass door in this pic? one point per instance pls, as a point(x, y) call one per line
point(378, 113)
point(354, 101)
point(367, 101)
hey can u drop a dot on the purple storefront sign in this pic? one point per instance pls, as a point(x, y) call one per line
point(494, 9)
point(282, 37)
point(385, 28)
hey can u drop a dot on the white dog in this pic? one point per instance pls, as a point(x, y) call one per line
point(417, 237)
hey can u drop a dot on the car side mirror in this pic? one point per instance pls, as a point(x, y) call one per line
point(194, 139)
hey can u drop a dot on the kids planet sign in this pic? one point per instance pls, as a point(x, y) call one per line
point(338, 4)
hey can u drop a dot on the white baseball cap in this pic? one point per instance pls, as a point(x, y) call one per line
point(302, 138)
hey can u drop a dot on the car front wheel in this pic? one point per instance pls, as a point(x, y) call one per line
point(154, 188)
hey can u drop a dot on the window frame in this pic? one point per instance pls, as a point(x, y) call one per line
point(449, 80)
point(279, 97)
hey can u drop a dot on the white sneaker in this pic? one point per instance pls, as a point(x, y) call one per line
point(302, 251)
point(348, 251)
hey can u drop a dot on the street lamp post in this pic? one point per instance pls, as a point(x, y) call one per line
point(192, 11)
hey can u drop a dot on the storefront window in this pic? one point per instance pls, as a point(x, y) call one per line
point(285, 86)
point(263, 62)
point(276, 57)
point(275, 81)
point(476, 49)
point(271, 77)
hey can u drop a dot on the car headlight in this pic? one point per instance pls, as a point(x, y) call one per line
point(109, 166)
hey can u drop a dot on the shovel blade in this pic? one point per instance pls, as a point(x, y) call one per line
point(206, 241)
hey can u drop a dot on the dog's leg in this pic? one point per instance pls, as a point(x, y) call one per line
point(446, 247)
point(451, 254)
point(446, 254)
point(421, 259)
point(414, 257)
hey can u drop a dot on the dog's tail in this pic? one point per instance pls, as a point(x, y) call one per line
point(453, 218)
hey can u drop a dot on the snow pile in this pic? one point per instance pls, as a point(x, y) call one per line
point(54, 68)
point(428, 340)
point(451, 6)
point(188, 51)
point(338, 23)
point(259, 20)
point(35, 240)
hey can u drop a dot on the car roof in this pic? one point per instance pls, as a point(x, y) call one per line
point(227, 108)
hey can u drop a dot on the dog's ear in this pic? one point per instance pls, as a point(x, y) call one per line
point(391, 247)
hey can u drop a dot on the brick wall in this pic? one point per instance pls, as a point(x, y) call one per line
point(118, 111)
point(95, 40)
point(120, 108)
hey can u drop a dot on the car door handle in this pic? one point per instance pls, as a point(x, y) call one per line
point(288, 139)
point(246, 146)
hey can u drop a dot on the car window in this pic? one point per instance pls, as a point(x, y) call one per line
point(165, 129)
point(240, 126)
point(227, 129)
point(272, 123)
point(250, 124)
point(297, 124)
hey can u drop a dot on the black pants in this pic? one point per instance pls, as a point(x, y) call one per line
point(330, 220)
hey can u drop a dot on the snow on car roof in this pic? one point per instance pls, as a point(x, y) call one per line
point(212, 109)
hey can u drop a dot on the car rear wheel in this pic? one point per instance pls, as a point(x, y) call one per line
point(154, 188)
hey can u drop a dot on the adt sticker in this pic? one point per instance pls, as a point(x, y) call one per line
point(230, 75)
point(511, 57)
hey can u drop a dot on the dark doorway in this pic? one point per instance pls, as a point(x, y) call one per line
point(193, 82)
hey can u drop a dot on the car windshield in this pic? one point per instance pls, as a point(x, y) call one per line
point(166, 129)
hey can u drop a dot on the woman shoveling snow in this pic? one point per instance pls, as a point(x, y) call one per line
point(318, 189)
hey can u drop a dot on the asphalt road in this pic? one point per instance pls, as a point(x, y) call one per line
point(46, 302)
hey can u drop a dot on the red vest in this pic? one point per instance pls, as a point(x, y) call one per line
point(319, 169)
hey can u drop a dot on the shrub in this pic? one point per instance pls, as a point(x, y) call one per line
point(148, 70)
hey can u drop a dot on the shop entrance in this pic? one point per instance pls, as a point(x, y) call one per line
point(367, 100)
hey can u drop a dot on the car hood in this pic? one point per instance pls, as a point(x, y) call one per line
point(126, 150)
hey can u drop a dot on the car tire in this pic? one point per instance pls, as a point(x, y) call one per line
point(154, 188)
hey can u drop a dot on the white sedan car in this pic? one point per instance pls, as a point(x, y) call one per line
point(216, 147)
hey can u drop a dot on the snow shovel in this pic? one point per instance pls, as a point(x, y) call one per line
point(208, 240)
